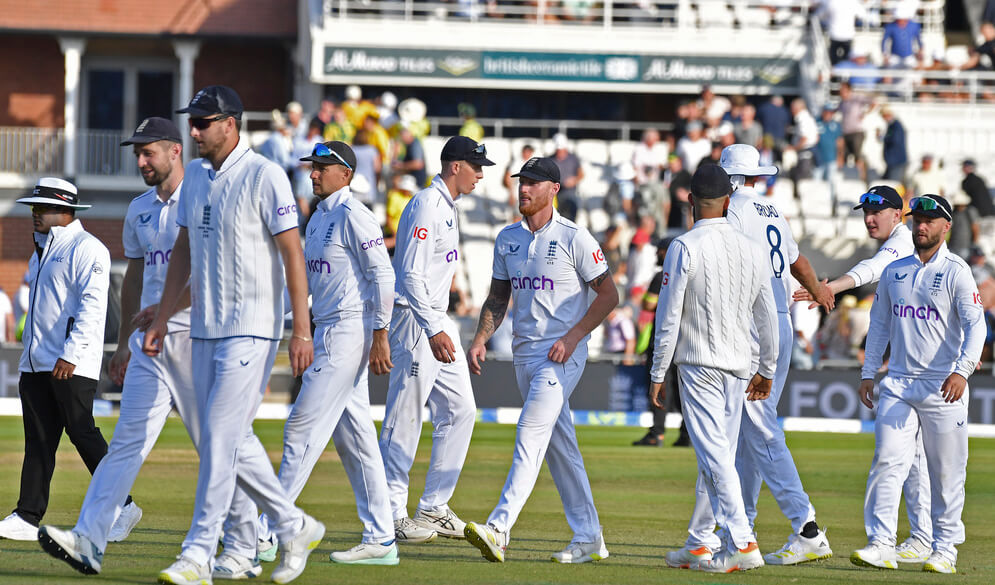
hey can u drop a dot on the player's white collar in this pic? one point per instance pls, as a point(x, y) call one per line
point(335, 199)
point(552, 219)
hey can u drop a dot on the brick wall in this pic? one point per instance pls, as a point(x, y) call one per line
point(32, 74)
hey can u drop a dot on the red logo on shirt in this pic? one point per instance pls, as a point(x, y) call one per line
point(977, 298)
point(599, 256)
point(420, 233)
point(666, 279)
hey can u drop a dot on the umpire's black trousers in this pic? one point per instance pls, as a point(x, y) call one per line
point(50, 406)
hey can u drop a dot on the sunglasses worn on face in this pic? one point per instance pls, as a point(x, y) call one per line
point(203, 123)
point(927, 204)
point(41, 208)
point(323, 151)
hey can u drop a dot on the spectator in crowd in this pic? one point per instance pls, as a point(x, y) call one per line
point(747, 130)
point(295, 121)
point(840, 17)
point(896, 155)
point(7, 325)
point(965, 228)
point(641, 263)
point(301, 180)
point(928, 179)
point(833, 338)
point(471, 128)
point(405, 187)
point(356, 109)
point(411, 158)
point(387, 109)
point(985, 49)
point(325, 114)
point(412, 114)
point(571, 174)
point(713, 106)
point(511, 184)
point(853, 107)
point(279, 144)
point(805, 322)
point(806, 137)
point(902, 41)
point(678, 183)
point(694, 146)
point(22, 297)
point(620, 334)
point(775, 119)
point(620, 202)
point(858, 71)
point(829, 152)
point(376, 135)
point(368, 166)
point(648, 160)
point(976, 189)
point(340, 128)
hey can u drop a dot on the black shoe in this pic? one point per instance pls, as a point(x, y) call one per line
point(649, 440)
point(683, 441)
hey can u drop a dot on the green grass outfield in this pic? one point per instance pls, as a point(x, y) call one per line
point(644, 496)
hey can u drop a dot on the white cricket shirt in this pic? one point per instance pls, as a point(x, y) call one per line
point(716, 285)
point(348, 268)
point(549, 270)
point(898, 245)
point(426, 255)
point(149, 233)
point(931, 314)
point(236, 273)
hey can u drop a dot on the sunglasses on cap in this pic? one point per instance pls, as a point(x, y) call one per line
point(323, 151)
point(203, 123)
point(480, 150)
point(927, 204)
point(873, 199)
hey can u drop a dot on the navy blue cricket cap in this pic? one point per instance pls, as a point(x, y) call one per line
point(710, 181)
point(214, 99)
point(540, 169)
point(464, 148)
point(880, 197)
point(153, 130)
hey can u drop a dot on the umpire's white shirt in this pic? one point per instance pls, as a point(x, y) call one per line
point(348, 268)
point(549, 270)
point(716, 284)
point(759, 219)
point(933, 316)
point(236, 273)
point(149, 233)
point(898, 245)
point(426, 255)
point(67, 305)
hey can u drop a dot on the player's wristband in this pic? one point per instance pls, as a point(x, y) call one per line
point(302, 338)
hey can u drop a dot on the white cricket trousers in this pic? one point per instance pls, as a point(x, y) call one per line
point(152, 387)
point(763, 456)
point(418, 379)
point(713, 409)
point(334, 403)
point(545, 429)
point(230, 377)
point(906, 405)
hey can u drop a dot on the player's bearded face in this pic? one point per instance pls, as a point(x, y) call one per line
point(153, 162)
point(927, 232)
point(534, 196)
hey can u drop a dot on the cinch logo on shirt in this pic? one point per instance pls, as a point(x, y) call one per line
point(452, 256)
point(531, 283)
point(286, 210)
point(319, 265)
point(372, 243)
point(156, 257)
point(900, 309)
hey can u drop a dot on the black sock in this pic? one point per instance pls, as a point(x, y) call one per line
point(810, 530)
point(128, 501)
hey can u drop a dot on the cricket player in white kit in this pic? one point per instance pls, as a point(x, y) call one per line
point(237, 220)
point(882, 207)
point(151, 386)
point(352, 290)
point(546, 264)
point(927, 308)
point(430, 368)
point(716, 285)
point(763, 455)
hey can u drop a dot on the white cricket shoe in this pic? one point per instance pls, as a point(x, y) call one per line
point(14, 527)
point(73, 548)
point(185, 572)
point(940, 563)
point(684, 558)
point(125, 523)
point(799, 549)
point(367, 553)
point(232, 566)
point(582, 552)
point(405, 530)
point(266, 548)
point(293, 554)
point(913, 550)
point(728, 561)
point(491, 543)
point(875, 554)
point(442, 520)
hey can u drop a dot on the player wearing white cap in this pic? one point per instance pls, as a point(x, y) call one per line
point(63, 347)
point(928, 309)
point(716, 285)
point(151, 386)
point(237, 221)
point(429, 367)
point(763, 455)
point(352, 290)
point(882, 207)
point(546, 264)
